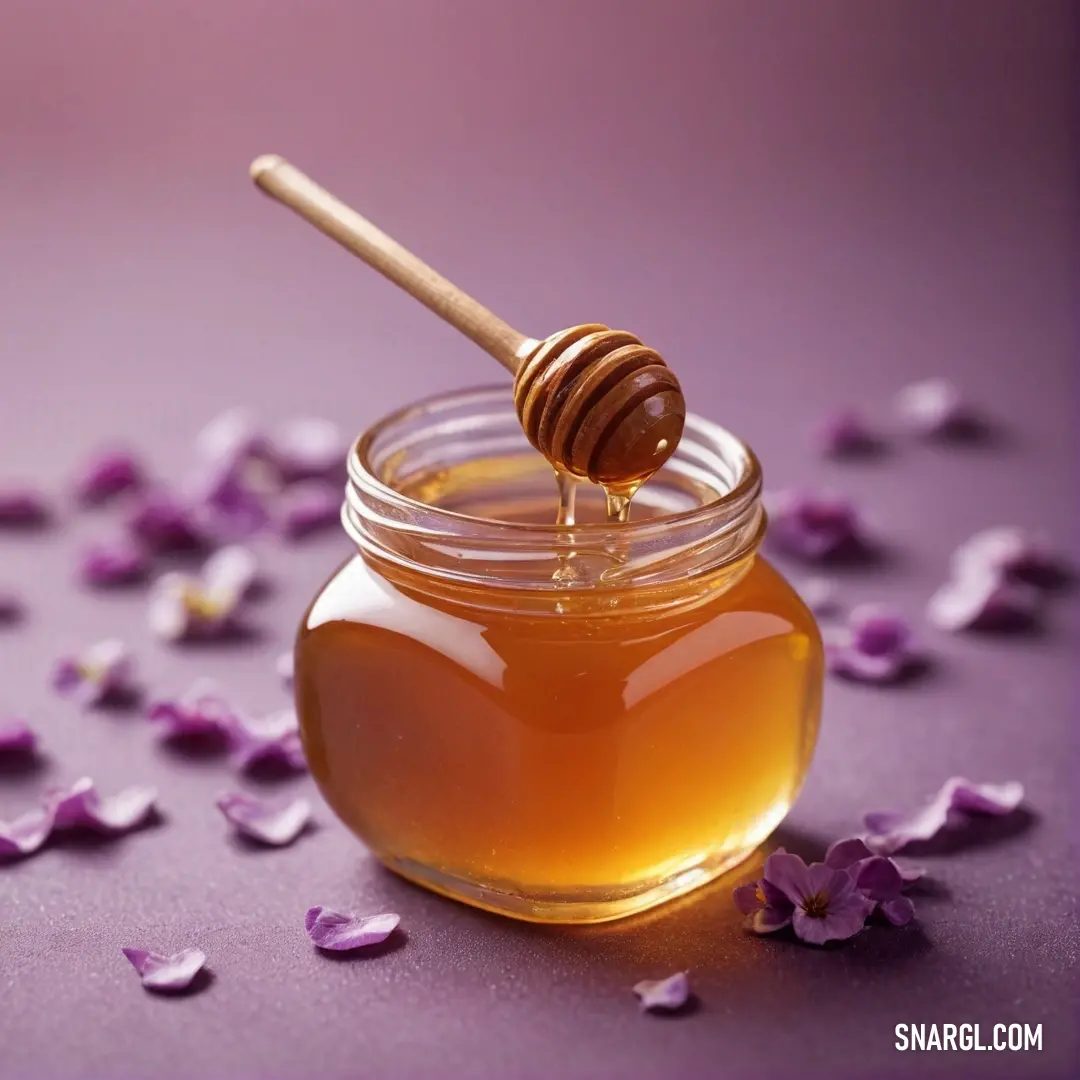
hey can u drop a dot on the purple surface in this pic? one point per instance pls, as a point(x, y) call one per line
point(801, 206)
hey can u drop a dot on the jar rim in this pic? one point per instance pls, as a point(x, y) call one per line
point(362, 473)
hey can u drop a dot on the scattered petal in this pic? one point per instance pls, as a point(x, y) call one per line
point(845, 434)
point(232, 436)
point(820, 595)
point(230, 504)
point(23, 507)
point(106, 563)
point(17, 737)
point(889, 832)
point(983, 600)
point(1009, 552)
point(664, 995)
point(11, 607)
point(26, 833)
point(103, 673)
point(183, 606)
point(273, 740)
point(159, 972)
point(874, 646)
point(339, 933)
point(285, 667)
point(82, 807)
point(107, 474)
point(309, 448)
point(164, 522)
point(933, 407)
point(271, 822)
point(814, 526)
point(200, 713)
point(307, 507)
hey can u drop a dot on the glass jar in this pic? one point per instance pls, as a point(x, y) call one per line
point(563, 723)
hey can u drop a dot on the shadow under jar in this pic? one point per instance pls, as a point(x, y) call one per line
point(564, 723)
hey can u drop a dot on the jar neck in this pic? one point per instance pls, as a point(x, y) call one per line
point(705, 525)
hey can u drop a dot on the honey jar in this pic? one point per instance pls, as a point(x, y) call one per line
point(557, 722)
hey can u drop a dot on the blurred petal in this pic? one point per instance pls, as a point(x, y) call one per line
point(932, 407)
point(82, 807)
point(271, 822)
point(103, 672)
point(308, 507)
point(23, 507)
point(664, 994)
point(118, 561)
point(26, 833)
point(17, 737)
point(339, 933)
point(106, 474)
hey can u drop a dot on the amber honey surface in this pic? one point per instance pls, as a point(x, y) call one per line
point(556, 766)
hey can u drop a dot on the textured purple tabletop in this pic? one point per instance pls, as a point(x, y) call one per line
point(799, 205)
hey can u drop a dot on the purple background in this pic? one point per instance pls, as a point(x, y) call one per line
point(798, 205)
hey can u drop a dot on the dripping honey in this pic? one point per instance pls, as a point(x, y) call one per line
point(573, 759)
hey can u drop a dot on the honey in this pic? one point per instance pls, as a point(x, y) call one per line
point(558, 722)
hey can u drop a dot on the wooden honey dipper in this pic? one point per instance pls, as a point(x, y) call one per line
point(594, 401)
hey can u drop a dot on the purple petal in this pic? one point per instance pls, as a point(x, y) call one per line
point(230, 504)
point(748, 898)
point(879, 878)
point(200, 712)
point(273, 823)
point(103, 672)
point(231, 437)
point(16, 737)
point(164, 522)
point(82, 807)
point(339, 933)
point(26, 833)
point(664, 994)
point(845, 853)
point(813, 526)
point(274, 740)
point(772, 918)
point(11, 607)
point(182, 606)
point(788, 874)
point(875, 646)
point(230, 573)
point(159, 972)
point(107, 474)
point(890, 832)
point(845, 434)
point(932, 407)
point(1008, 552)
point(285, 667)
point(899, 911)
point(983, 600)
point(23, 507)
point(119, 561)
point(306, 449)
point(308, 507)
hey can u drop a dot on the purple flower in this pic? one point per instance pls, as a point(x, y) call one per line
point(814, 526)
point(845, 434)
point(199, 713)
point(118, 561)
point(183, 606)
point(107, 474)
point(104, 672)
point(271, 740)
point(164, 522)
point(665, 995)
point(889, 832)
point(285, 667)
point(767, 907)
point(17, 737)
point(25, 834)
point(339, 933)
point(875, 646)
point(168, 973)
point(307, 507)
point(1011, 553)
point(23, 507)
point(309, 448)
point(270, 822)
point(827, 905)
point(881, 879)
point(983, 600)
point(933, 407)
point(82, 807)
